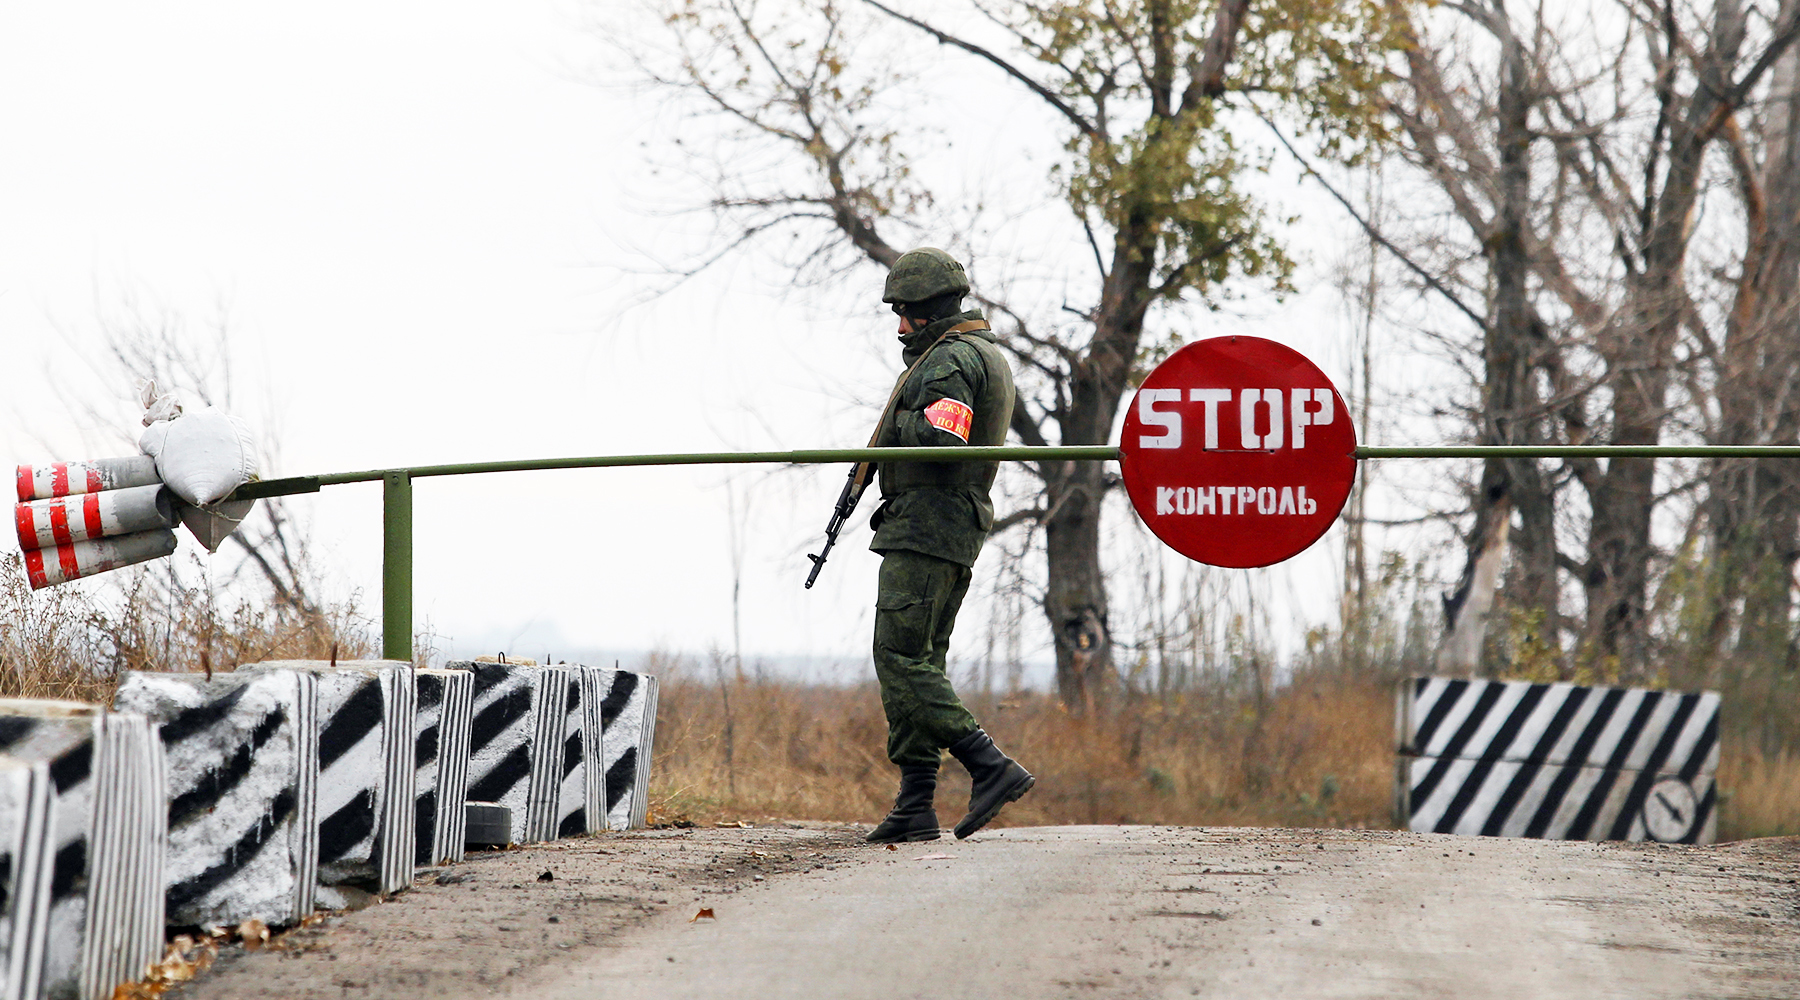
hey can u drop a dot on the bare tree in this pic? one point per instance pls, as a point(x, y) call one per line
point(1581, 204)
point(1753, 506)
point(1140, 90)
point(134, 344)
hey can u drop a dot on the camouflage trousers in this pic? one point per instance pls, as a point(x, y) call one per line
point(915, 610)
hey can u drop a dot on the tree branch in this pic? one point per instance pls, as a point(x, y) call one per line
point(1083, 125)
point(1030, 515)
point(1430, 280)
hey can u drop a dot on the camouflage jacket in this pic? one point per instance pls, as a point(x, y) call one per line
point(961, 394)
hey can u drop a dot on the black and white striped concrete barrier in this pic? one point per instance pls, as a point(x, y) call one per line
point(516, 743)
point(628, 732)
point(1557, 761)
point(241, 794)
point(574, 803)
point(260, 793)
point(104, 920)
point(500, 737)
point(367, 723)
point(25, 865)
point(446, 710)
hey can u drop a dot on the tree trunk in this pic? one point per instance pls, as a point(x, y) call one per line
point(1468, 608)
point(1075, 600)
point(1617, 581)
point(1639, 355)
point(1511, 411)
point(1753, 506)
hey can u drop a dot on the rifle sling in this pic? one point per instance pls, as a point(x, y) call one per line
point(865, 469)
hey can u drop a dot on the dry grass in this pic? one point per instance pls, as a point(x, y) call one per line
point(1317, 753)
point(75, 643)
point(1761, 794)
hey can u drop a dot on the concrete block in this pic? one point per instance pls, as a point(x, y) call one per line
point(1556, 761)
point(446, 711)
point(515, 743)
point(104, 920)
point(368, 714)
point(25, 857)
point(628, 732)
point(241, 792)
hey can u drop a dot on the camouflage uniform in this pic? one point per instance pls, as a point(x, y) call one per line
point(930, 527)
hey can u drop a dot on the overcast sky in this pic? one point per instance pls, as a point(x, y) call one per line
point(430, 235)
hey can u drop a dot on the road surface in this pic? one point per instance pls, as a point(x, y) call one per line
point(1062, 912)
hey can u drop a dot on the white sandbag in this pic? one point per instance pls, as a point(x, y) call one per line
point(202, 454)
point(158, 405)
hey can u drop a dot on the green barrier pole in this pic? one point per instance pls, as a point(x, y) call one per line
point(1004, 453)
point(396, 565)
point(397, 534)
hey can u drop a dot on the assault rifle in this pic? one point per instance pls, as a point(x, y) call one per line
point(846, 505)
point(862, 472)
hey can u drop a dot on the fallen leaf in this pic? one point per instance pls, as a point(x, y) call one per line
point(705, 911)
point(254, 933)
point(935, 857)
point(893, 847)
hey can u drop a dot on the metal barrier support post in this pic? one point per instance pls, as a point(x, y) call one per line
point(396, 565)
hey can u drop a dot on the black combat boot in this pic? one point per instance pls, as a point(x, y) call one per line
point(912, 817)
point(995, 780)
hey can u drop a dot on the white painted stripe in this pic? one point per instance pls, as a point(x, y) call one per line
point(640, 806)
point(1459, 713)
point(548, 713)
point(1706, 713)
point(453, 769)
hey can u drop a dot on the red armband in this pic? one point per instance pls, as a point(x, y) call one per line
point(952, 416)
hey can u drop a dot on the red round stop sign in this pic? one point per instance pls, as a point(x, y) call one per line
point(1237, 451)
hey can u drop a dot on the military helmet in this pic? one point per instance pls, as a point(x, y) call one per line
point(922, 274)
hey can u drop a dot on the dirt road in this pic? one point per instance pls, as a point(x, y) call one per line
point(1063, 912)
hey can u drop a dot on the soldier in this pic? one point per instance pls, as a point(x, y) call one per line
point(929, 528)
